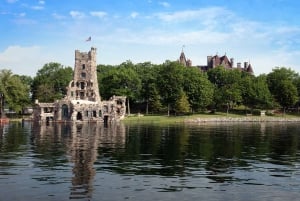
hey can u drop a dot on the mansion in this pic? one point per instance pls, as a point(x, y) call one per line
point(214, 61)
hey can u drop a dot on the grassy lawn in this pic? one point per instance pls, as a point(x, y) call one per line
point(181, 119)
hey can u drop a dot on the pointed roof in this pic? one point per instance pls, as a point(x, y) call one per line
point(249, 69)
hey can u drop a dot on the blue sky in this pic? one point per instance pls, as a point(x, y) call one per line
point(264, 32)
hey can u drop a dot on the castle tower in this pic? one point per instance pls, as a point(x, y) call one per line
point(84, 85)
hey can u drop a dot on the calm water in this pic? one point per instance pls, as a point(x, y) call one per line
point(150, 162)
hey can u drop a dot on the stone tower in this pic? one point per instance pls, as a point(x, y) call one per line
point(83, 101)
point(84, 85)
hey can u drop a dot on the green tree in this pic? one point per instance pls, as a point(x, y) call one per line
point(256, 93)
point(169, 83)
point(182, 104)
point(53, 78)
point(122, 80)
point(16, 93)
point(227, 86)
point(149, 93)
point(281, 82)
point(198, 89)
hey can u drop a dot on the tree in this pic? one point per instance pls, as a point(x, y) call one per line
point(54, 78)
point(123, 81)
point(16, 93)
point(198, 89)
point(182, 104)
point(256, 93)
point(227, 86)
point(281, 82)
point(147, 73)
point(169, 83)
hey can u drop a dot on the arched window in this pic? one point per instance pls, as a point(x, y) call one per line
point(64, 111)
point(82, 85)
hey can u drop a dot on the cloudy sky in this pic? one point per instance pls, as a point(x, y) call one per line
point(36, 32)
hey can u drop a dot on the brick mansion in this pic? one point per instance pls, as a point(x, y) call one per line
point(216, 60)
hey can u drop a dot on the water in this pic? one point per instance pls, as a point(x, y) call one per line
point(242, 161)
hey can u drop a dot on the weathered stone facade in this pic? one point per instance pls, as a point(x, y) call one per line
point(83, 101)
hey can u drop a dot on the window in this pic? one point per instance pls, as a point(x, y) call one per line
point(83, 66)
point(83, 75)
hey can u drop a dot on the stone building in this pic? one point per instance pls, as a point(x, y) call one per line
point(83, 101)
point(214, 61)
point(183, 60)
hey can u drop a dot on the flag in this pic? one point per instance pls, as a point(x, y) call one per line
point(88, 39)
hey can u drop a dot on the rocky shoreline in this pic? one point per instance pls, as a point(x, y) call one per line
point(243, 119)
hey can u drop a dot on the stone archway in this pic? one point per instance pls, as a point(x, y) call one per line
point(79, 116)
point(64, 111)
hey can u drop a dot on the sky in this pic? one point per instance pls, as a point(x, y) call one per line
point(265, 33)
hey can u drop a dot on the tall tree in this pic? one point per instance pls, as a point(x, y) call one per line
point(147, 73)
point(123, 81)
point(53, 78)
point(256, 93)
point(281, 82)
point(227, 86)
point(182, 104)
point(169, 82)
point(198, 89)
point(16, 92)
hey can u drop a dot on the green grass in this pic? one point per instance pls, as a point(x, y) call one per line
point(163, 119)
point(173, 119)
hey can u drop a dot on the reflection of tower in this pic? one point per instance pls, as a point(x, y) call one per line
point(83, 152)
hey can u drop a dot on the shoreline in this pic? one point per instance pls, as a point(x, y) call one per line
point(242, 119)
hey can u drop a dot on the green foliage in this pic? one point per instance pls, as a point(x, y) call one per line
point(173, 86)
point(227, 86)
point(256, 93)
point(120, 80)
point(282, 84)
point(15, 90)
point(50, 82)
point(169, 82)
point(182, 104)
point(198, 88)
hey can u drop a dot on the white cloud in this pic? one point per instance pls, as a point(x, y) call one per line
point(37, 7)
point(207, 15)
point(28, 60)
point(22, 14)
point(11, 1)
point(99, 14)
point(58, 16)
point(41, 2)
point(134, 15)
point(77, 14)
point(164, 4)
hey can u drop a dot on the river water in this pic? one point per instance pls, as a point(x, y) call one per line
point(215, 161)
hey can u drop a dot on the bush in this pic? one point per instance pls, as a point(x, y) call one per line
point(256, 112)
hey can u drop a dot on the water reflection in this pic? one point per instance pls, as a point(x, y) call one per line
point(76, 144)
point(148, 162)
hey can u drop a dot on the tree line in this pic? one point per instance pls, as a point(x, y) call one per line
point(161, 88)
